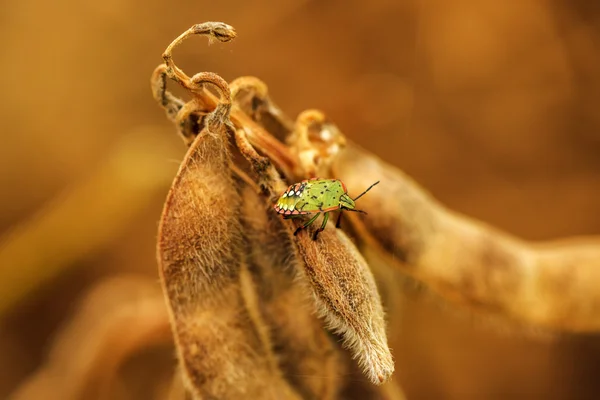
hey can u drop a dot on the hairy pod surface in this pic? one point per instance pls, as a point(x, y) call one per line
point(348, 299)
point(305, 353)
point(220, 349)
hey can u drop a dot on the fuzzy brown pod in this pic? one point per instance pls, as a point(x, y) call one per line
point(306, 354)
point(342, 283)
point(221, 348)
point(548, 285)
point(348, 299)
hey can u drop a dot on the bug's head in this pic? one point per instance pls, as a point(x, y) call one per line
point(347, 202)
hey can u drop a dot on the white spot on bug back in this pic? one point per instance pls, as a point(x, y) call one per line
point(292, 193)
point(284, 207)
point(292, 207)
point(284, 195)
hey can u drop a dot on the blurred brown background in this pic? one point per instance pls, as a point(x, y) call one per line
point(492, 106)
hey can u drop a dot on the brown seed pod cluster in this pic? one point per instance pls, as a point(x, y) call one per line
point(257, 312)
point(238, 283)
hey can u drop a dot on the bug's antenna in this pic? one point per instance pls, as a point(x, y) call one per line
point(355, 210)
point(369, 188)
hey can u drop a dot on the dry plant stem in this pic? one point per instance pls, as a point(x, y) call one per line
point(552, 285)
point(268, 177)
point(166, 99)
point(251, 96)
point(315, 141)
point(342, 283)
point(119, 317)
point(206, 101)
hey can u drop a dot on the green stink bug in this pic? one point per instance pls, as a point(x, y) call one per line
point(317, 196)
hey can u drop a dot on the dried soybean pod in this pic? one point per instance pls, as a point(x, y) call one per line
point(306, 354)
point(201, 262)
point(341, 281)
point(549, 284)
point(348, 299)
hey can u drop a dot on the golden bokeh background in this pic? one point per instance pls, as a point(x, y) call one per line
point(491, 106)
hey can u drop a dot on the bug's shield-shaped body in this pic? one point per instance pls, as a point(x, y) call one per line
point(312, 196)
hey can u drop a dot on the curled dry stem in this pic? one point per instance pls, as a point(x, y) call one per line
point(316, 142)
point(251, 96)
point(205, 101)
point(213, 30)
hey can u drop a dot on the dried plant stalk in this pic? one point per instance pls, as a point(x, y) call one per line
point(251, 96)
point(553, 285)
point(205, 102)
point(315, 141)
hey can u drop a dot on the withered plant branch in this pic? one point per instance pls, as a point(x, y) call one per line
point(86, 217)
point(315, 141)
point(119, 317)
point(206, 101)
point(251, 96)
point(547, 284)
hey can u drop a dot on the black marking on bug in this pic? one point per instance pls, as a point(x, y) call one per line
point(323, 201)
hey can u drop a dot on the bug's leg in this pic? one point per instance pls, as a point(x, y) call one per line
point(338, 223)
point(307, 224)
point(322, 228)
